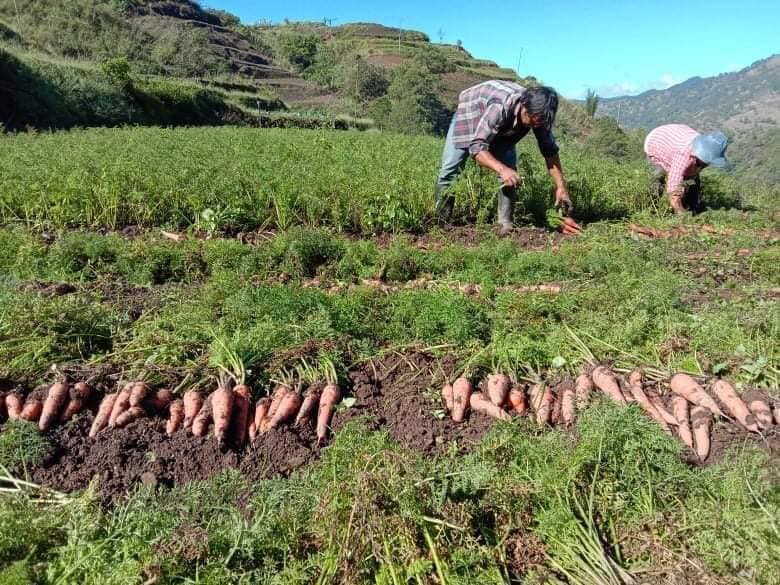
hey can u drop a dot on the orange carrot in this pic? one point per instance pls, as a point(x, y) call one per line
point(517, 400)
point(680, 410)
point(176, 417)
point(568, 413)
point(447, 396)
point(536, 393)
point(479, 403)
point(261, 414)
point(221, 409)
point(193, 402)
point(638, 393)
point(545, 406)
point(288, 408)
point(582, 388)
point(131, 414)
point(605, 381)
point(735, 405)
point(660, 407)
point(310, 403)
point(331, 395)
point(461, 395)
point(32, 410)
point(701, 419)
point(685, 386)
point(758, 407)
point(14, 404)
point(138, 392)
point(498, 388)
point(200, 424)
point(239, 423)
point(79, 394)
point(55, 401)
point(121, 404)
point(103, 414)
point(159, 401)
point(276, 399)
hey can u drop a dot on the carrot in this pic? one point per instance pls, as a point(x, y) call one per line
point(221, 409)
point(701, 419)
point(131, 414)
point(447, 396)
point(498, 388)
point(605, 381)
point(32, 410)
point(758, 407)
point(200, 424)
point(158, 401)
point(635, 386)
point(680, 410)
point(568, 413)
point(276, 399)
point(121, 404)
point(517, 400)
point(14, 404)
point(685, 386)
point(582, 388)
point(535, 393)
point(79, 394)
point(659, 405)
point(479, 403)
point(261, 412)
point(555, 408)
point(461, 395)
point(138, 392)
point(176, 417)
point(288, 407)
point(331, 395)
point(545, 406)
point(52, 407)
point(309, 406)
point(239, 423)
point(735, 405)
point(252, 430)
point(193, 402)
point(103, 414)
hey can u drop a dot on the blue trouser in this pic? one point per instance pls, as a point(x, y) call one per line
point(453, 160)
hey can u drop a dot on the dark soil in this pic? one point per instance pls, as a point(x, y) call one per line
point(394, 393)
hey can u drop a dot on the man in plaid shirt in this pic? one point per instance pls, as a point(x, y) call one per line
point(678, 153)
point(491, 119)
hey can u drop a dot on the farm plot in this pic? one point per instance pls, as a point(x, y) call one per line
point(155, 296)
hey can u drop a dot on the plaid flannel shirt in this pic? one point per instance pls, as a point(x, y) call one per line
point(488, 111)
point(669, 147)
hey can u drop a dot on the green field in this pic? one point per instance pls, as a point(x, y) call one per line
point(323, 245)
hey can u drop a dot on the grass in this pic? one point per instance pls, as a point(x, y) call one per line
point(611, 503)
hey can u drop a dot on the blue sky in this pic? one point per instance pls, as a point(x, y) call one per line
point(616, 48)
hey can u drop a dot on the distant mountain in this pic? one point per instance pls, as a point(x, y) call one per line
point(744, 104)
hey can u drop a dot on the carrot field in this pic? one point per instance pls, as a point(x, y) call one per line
point(200, 258)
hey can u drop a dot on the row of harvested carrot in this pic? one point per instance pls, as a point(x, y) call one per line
point(231, 410)
point(692, 407)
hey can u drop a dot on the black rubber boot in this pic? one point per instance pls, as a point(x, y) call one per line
point(445, 205)
point(506, 210)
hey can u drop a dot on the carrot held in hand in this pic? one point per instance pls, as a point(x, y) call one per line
point(103, 414)
point(479, 403)
point(55, 402)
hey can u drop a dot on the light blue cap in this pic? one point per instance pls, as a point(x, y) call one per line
point(711, 148)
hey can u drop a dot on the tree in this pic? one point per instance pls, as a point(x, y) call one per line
point(591, 102)
point(415, 105)
point(365, 81)
point(299, 49)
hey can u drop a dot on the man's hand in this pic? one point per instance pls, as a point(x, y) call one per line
point(562, 201)
point(675, 199)
point(510, 178)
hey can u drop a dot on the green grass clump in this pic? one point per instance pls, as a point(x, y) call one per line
point(22, 446)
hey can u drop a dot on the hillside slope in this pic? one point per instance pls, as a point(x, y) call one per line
point(744, 104)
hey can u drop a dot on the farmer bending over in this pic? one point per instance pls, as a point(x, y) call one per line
point(678, 152)
point(491, 118)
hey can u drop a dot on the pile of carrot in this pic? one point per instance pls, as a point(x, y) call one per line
point(229, 412)
point(688, 415)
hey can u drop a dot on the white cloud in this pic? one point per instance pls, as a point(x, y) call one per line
point(629, 87)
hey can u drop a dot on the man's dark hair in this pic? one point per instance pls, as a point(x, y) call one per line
point(542, 101)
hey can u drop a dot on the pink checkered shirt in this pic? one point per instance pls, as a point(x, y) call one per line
point(669, 147)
